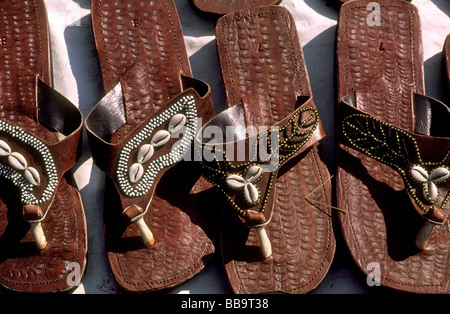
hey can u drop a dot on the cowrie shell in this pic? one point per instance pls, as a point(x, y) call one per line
point(144, 153)
point(439, 174)
point(419, 174)
point(432, 191)
point(160, 138)
point(176, 122)
point(234, 181)
point(251, 193)
point(17, 161)
point(5, 149)
point(253, 173)
point(32, 176)
point(136, 172)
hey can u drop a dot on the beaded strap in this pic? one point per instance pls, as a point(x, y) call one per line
point(135, 180)
point(33, 165)
point(153, 146)
point(248, 184)
point(400, 150)
point(15, 167)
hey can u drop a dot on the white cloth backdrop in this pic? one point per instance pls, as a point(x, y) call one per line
point(77, 75)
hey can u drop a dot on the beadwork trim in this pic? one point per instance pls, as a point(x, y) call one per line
point(186, 105)
point(395, 148)
point(16, 176)
point(291, 137)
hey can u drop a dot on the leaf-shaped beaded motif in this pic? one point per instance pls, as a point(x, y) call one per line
point(397, 149)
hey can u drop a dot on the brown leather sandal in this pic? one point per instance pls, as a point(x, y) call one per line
point(277, 231)
point(221, 7)
point(394, 152)
point(42, 224)
point(156, 208)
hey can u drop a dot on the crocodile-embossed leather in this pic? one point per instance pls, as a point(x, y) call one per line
point(25, 96)
point(383, 64)
point(140, 44)
point(261, 58)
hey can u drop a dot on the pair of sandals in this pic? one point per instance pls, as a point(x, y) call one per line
point(161, 229)
point(168, 155)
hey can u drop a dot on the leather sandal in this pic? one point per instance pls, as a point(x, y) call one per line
point(222, 7)
point(264, 154)
point(394, 152)
point(156, 207)
point(42, 224)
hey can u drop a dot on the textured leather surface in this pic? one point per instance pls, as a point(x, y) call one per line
point(384, 64)
point(24, 55)
point(261, 57)
point(228, 6)
point(141, 44)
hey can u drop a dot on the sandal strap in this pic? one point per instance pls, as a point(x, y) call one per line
point(139, 159)
point(245, 167)
point(421, 157)
point(33, 165)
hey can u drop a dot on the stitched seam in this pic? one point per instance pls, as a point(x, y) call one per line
point(39, 40)
point(173, 32)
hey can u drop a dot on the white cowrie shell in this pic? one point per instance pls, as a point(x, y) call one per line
point(5, 149)
point(253, 173)
point(144, 153)
point(419, 174)
point(234, 181)
point(439, 174)
point(176, 122)
point(32, 176)
point(136, 172)
point(432, 191)
point(17, 161)
point(160, 138)
point(251, 193)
